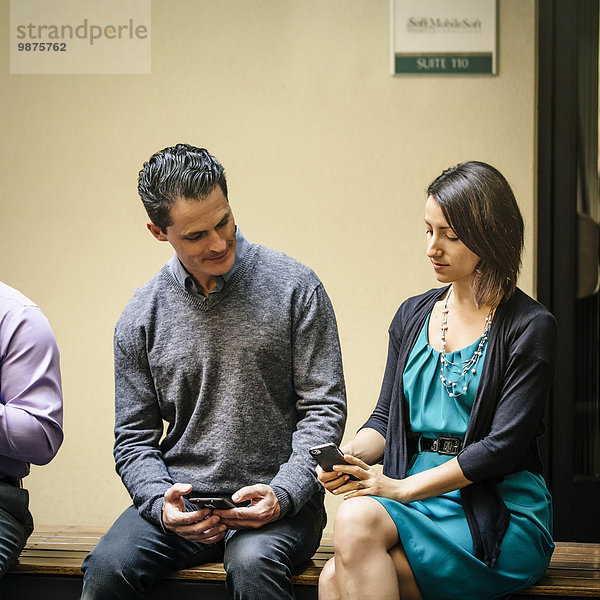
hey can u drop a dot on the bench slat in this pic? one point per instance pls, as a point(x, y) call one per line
point(574, 570)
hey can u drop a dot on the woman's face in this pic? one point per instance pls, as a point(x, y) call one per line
point(452, 261)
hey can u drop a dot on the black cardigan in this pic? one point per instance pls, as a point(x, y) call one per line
point(506, 419)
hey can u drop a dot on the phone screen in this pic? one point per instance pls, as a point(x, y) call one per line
point(219, 503)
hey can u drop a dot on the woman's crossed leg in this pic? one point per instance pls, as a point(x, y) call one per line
point(369, 560)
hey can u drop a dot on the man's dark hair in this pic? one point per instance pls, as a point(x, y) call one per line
point(479, 205)
point(180, 171)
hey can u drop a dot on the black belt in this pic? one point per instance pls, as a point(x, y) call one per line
point(442, 445)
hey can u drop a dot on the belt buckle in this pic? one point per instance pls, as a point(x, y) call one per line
point(446, 445)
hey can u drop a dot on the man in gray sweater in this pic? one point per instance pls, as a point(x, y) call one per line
point(234, 348)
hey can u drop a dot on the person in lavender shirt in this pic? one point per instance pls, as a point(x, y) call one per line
point(30, 412)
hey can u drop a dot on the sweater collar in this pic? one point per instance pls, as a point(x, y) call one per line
point(186, 281)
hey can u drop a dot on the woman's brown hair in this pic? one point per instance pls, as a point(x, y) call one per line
point(480, 206)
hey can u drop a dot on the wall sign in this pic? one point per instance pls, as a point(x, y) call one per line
point(437, 37)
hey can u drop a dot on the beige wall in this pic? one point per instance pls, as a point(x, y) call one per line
point(327, 158)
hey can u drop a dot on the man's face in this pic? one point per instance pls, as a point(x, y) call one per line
point(203, 236)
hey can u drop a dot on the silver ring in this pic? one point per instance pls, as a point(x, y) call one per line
point(360, 485)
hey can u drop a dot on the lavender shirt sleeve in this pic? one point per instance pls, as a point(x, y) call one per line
point(30, 389)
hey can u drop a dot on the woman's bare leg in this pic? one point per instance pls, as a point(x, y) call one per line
point(328, 589)
point(363, 534)
point(407, 585)
point(409, 590)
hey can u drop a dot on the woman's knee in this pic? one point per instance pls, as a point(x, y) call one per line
point(362, 522)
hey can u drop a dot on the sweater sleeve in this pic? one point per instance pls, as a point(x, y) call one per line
point(524, 388)
point(138, 430)
point(318, 384)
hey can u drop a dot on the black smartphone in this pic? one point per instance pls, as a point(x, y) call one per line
point(218, 503)
point(328, 455)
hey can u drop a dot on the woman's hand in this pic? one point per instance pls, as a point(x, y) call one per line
point(331, 480)
point(436, 481)
point(369, 481)
point(369, 445)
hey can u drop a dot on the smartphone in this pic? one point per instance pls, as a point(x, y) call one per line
point(218, 503)
point(328, 455)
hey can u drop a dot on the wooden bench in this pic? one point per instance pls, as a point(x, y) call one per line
point(49, 568)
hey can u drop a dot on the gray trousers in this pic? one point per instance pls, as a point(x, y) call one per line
point(135, 553)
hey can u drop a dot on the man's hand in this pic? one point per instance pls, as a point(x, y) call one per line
point(195, 525)
point(264, 508)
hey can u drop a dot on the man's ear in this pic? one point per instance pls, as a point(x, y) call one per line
point(156, 231)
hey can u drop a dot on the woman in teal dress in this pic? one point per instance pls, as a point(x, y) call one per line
point(461, 509)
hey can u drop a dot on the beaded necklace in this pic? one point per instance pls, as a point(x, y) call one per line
point(465, 369)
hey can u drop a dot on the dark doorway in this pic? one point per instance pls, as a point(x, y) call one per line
point(568, 216)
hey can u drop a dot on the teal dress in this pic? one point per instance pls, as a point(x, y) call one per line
point(434, 532)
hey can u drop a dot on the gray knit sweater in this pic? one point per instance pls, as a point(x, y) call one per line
point(245, 381)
